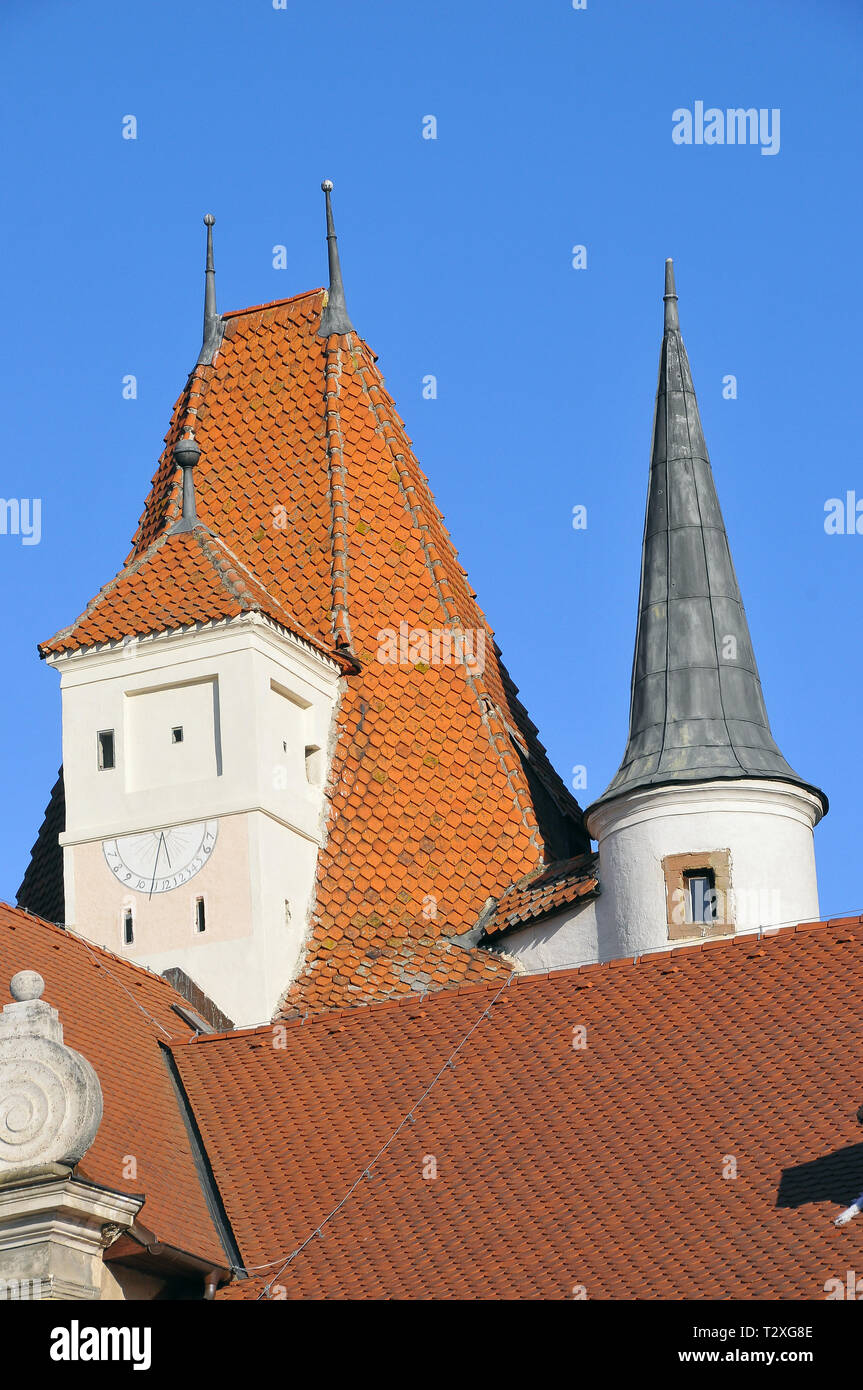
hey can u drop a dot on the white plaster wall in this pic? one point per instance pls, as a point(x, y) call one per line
point(240, 660)
point(766, 827)
point(559, 942)
point(166, 920)
point(151, 757)
point(246, 967)
point(274, 697)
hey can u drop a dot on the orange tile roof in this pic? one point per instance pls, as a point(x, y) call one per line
point(601, 1167)
point(440, 793)
point(542, 892)
point(182, 578)
point(117, 1016)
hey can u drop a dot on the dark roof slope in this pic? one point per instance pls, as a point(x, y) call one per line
point(42, 890)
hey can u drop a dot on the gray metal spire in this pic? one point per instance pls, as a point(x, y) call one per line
point(213, 326)
point(697, 712)
point(334, 319)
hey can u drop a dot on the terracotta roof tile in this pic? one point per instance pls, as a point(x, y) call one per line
point(117, 1015)
point(183, 578)
point(438, 783)
point(545, 890)
point(601, 1166)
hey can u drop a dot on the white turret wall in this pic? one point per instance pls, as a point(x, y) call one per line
point(764, 826)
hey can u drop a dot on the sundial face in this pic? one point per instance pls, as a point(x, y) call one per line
point(157, 861)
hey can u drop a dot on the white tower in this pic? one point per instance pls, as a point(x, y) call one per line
point(705, 830)
point(195, 762)
point(198, 722)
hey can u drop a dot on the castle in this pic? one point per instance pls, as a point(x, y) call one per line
point(297, 779)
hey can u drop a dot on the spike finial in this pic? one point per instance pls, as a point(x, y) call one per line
point(212, 322)
point(334, 319)
point(672, 320)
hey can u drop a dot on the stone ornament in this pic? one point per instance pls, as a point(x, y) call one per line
point(50, 1097)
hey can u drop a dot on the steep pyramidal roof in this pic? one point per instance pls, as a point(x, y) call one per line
point(440, 794)
point(697, 711)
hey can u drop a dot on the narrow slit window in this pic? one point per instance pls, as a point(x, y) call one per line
point(200, 915)
point(700, 895)
point(177, 734)
point(313, 765)
point(105, 749)
point(128, 927)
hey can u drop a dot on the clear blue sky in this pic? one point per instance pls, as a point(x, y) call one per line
point(554, 129)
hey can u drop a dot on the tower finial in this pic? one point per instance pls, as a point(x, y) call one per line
point(212, 321)
point(334, 319)
point(672, 320)
point(186, 455)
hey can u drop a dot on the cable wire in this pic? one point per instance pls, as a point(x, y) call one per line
point(366, 1171)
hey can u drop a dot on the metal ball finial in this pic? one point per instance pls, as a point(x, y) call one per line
point(209, 220)
point(26, 985)
point(327, 186)
point(187, 451)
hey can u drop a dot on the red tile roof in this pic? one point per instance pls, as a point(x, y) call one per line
point(542, 892)
point(117, 1015)
point(603, 1166)
point(182, 578)
point(440, 794)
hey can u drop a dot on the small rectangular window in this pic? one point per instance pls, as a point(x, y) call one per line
point(200, 915)
point(702, 899)
point(105, 749)
point(128, 927)
point(177, 734)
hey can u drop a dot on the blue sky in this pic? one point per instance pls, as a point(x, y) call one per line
point(553, 130)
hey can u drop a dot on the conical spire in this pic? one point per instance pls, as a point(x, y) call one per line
point(212, 322)
point(334, 319)
point(697, 712)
